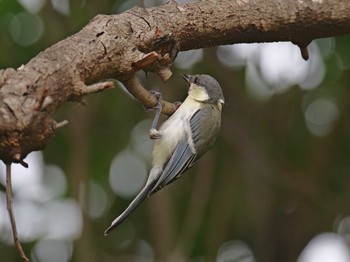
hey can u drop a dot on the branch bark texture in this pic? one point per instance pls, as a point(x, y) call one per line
point(116, 46)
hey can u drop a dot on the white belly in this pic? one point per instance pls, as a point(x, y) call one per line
point(174, 129)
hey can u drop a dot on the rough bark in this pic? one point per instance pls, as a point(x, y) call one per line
point(116, 46)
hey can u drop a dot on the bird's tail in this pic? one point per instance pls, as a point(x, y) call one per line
point(134, 204)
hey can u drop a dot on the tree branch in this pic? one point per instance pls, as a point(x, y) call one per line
point(116, 46)
point(147, 98)
point(11, 213)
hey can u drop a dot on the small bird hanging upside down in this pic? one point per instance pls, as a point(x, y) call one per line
point(182, 139)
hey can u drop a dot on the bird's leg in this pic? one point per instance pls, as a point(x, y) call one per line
point(153, 132)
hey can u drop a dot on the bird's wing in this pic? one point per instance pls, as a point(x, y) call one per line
point(183, 157)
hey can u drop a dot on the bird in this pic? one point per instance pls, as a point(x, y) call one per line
point(182, 139)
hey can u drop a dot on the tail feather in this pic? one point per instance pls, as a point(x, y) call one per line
point(134, 204)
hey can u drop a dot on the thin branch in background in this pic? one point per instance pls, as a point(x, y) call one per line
point(11, 214)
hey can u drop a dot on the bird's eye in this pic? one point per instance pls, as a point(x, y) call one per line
point(195, 80)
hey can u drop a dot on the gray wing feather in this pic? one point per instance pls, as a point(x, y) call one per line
point(195, 124)
point(183, 157)
point(181, 163)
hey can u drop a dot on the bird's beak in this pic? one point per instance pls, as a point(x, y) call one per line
point(186, 77)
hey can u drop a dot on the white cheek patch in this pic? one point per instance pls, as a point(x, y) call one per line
point(220, 103)
point(198, 93)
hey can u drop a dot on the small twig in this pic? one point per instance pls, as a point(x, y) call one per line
point(11, 214)
point(146, 61)
point(18, 159)
point(164, 74)
point(146, 97)
point(304, 52)
point(62, 123)
point(94, 88)
point(303, 48)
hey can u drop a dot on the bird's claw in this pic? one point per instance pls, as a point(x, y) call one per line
point(177, 104)
point(158, 96)
point(155, 134)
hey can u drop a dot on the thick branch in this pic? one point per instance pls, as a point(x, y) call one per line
point(116, 46)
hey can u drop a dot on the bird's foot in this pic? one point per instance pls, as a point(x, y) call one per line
point(158, 96)
point(155, 134)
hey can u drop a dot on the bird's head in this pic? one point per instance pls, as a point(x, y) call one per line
point(204, 88)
